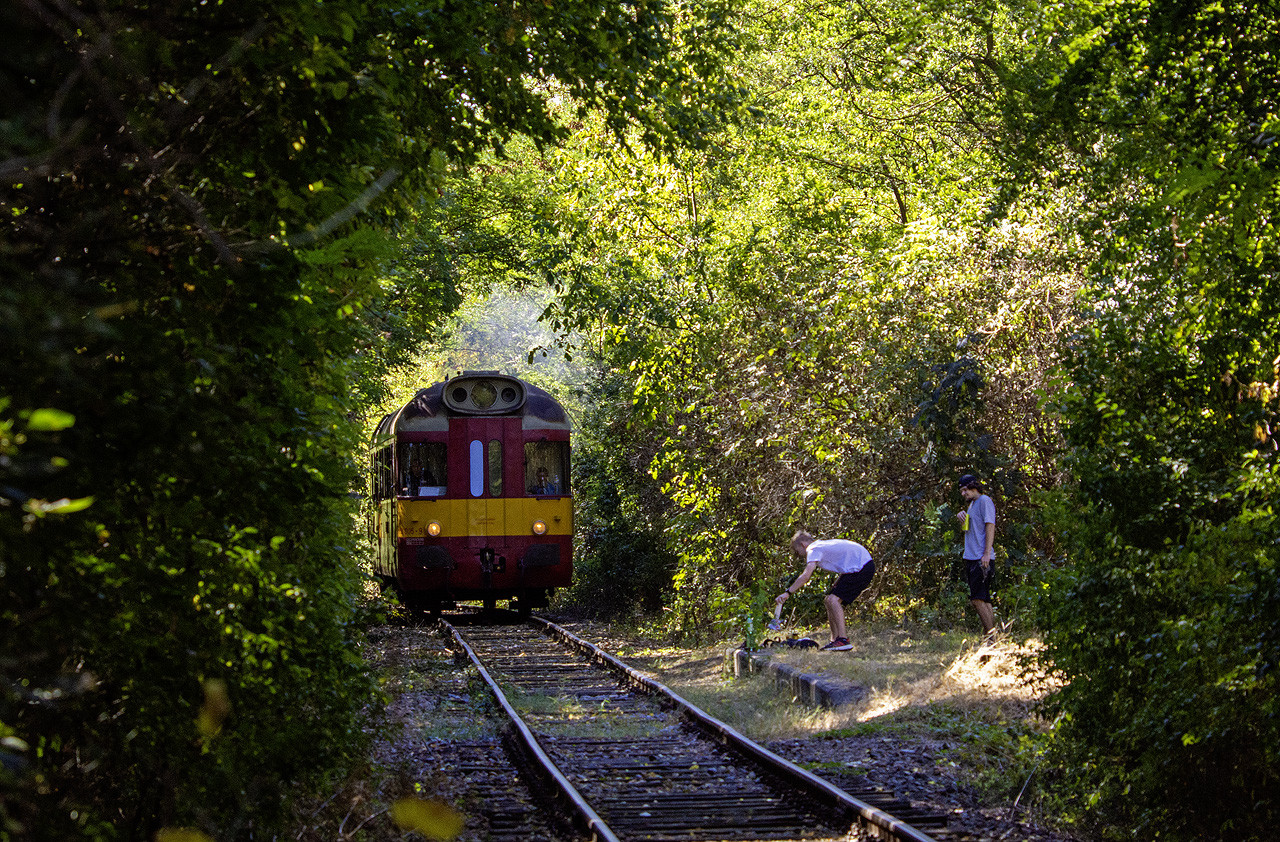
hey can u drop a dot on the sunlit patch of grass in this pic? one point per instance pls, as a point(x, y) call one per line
point(972, 701)
point(897, 667)
point(882, 659)
point(566, 716)
point(754, 706)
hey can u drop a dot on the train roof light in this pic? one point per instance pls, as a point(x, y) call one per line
point(484, 394)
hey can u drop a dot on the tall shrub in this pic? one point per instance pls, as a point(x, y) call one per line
point(1163, 623)
point(196, 201)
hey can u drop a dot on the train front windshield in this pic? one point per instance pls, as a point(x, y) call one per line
point(422, 467)
point(546, 467)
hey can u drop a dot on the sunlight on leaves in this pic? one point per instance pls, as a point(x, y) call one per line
point(64, 506)
point(50, 420)
point(432, 819)
point(181, 834)
point(215, 710)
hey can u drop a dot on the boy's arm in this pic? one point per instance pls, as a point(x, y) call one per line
point(798, 583)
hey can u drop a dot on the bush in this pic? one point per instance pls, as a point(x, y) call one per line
point(621, 562)
point(1173, 656)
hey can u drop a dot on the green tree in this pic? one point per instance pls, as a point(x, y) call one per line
point(200, 279)
point(779, 300)
point(1162, 116)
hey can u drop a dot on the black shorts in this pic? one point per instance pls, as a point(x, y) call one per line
point(980, 580)
point(849, 585)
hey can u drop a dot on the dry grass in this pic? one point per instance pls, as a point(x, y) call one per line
point(907, 673)
point(970, 706)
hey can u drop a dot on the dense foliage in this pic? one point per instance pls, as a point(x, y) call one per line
point(871, 284)
point(1033, 241)
point(813, 321)
point(1165, 115)
point(199, 203)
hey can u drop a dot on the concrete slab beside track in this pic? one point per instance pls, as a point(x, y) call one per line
point(807, 688)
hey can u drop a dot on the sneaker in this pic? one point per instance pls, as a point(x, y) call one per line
point(840, 644)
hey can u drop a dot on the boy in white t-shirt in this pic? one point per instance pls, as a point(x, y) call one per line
point(855, 567)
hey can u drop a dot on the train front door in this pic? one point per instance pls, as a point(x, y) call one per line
point(483, 445)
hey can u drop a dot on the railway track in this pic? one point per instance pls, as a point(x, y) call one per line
point(627, 759)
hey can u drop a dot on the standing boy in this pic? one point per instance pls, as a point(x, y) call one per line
point(979, 523)
point(855, 568)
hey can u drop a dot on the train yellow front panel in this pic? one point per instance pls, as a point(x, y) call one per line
point(415, 515)
point(485, 517)
point(556, 513)
point(475, 518)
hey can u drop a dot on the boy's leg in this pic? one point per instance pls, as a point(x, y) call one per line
point(985, 614)
point(835, 616)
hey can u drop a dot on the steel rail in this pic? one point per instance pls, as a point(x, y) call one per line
point(873, 819)
point(592, 821)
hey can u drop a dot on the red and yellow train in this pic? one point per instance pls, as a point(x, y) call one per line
point(471, 497)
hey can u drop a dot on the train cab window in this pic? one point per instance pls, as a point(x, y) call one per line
point(495, 468)
point(422, 468)
point(546, 467)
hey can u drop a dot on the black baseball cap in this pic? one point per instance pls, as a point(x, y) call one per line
point(969, 481)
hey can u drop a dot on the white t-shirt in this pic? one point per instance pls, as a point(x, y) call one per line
point(838, 555)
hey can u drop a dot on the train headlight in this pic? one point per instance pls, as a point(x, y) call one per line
point(483, 394)
point(433, 529)
point(539, 527)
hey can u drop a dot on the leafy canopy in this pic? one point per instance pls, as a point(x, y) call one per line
point(1160, 114)
point(201, 284)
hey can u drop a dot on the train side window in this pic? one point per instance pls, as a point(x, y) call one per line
point(546, 467)
point(476, 468)
point(495, 468)
point(382, 482)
